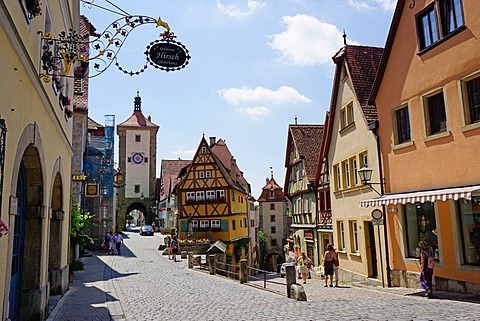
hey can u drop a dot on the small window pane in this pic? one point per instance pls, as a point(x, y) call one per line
point(436, 114)
point(473, 99)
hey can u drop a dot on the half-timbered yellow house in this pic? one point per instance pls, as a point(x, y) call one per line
point(212, 199)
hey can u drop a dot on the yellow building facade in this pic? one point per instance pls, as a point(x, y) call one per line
point(212, 199)
point(35, 190)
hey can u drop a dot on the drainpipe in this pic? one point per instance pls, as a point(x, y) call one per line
point(373, 126)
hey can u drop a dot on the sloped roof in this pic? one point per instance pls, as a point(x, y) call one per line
point(272, 185)
point(170, 170)
point(93, 125)
point(137, 120)
point(307, 140)
point(362, 63)
point(222, 152)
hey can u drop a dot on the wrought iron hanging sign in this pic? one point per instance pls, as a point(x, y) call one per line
point(60, 54)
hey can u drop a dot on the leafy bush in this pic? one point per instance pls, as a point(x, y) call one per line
point(80, 226)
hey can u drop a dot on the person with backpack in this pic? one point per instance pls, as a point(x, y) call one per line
point(175, 248)
point(427, 263)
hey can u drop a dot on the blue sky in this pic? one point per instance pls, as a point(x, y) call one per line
point(255, 65)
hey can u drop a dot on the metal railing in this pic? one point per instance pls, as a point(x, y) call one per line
point(265, 276)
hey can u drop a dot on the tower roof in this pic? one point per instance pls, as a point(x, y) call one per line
point(138, 119)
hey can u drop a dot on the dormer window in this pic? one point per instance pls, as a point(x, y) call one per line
point(272, 193)
point(204, 150)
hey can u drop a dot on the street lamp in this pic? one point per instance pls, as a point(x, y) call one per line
point(365, 175)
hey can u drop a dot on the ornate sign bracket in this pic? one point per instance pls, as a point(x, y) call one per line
point(69, 50)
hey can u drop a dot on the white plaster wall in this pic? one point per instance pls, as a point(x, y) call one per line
point(137, 174)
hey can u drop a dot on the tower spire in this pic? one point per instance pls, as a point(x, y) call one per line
point(137, 103)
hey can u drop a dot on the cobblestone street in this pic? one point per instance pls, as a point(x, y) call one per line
point(144, 285)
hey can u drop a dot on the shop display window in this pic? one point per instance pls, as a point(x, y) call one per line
point(420, 226)
point(470, 230)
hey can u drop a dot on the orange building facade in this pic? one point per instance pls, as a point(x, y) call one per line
point(427, 95)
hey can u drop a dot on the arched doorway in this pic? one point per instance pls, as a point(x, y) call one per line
point(18, 245)
point(55, 239)
point(26, 291)
point(139, 213)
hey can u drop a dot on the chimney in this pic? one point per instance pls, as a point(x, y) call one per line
point(149, 118)
point(212, 140)
point(266, 180)
point(233, 169)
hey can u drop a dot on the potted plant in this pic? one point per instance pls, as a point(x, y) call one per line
point(34, 8)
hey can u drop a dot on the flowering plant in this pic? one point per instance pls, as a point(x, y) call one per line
point(3, 228)
point(34, 8)
point(64, 100)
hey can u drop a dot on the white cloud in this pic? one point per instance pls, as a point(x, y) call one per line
point(253, 102)
point(183, 152)
point(307, 41)
point(234, 10)
point(262, 96)
point(359, 5)
point(365, 5)
point(254, 113)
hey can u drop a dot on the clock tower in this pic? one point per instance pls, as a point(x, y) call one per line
point(137, 161)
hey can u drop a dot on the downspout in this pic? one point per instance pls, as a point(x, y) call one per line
point(373, 126)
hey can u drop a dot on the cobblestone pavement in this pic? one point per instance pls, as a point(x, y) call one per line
point(141, 284)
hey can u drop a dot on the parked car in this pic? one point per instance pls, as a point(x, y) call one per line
point(146, 230)
point(297, 270)
point(282, 268)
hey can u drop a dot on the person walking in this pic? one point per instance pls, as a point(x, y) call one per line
point(118, 243)
point(328, 266)
point(303, 262)
point(169, 247)
point(112, 243)
point(336, 264)
point(175, 248)
point(106, 242)
point(427, 263)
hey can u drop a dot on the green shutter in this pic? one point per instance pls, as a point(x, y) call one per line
point(224, 225)
point(183, 226)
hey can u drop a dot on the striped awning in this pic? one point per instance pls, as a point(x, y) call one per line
point(453, 193)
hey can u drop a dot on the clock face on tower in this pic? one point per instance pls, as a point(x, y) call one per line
point(137, 158)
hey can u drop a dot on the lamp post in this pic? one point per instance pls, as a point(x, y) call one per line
point(365, 175)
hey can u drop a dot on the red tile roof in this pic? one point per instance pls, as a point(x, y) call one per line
point(307, 139)
point(362, 63)
point(169, 172)
point(272, 185)
point(137, 120)
point(221, 150)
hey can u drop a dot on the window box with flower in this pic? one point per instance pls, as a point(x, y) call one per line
point(34, 8)
point(3, 228)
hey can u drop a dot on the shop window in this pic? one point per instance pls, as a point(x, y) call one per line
point(420, 225)
point(470, 230)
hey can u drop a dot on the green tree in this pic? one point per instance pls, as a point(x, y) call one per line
point(262, 241)
point(80, 228)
